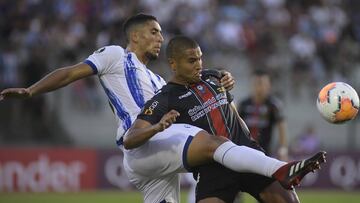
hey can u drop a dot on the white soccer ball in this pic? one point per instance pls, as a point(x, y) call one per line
point(338, 102)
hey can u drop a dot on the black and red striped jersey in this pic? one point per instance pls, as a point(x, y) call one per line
point(204, 105)
point(261, 118)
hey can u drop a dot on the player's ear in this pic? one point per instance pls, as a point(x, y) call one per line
point(134, 36)
point(172, 64)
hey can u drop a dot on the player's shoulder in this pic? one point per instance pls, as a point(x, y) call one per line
point(161, 96)
point(110, 50)
point(164, 91)
point(169, 90)
point(275, 101)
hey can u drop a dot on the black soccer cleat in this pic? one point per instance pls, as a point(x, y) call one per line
point(292, 173)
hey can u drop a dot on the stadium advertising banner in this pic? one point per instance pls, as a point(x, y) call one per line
point(47, 169)
point(111, 172)
point(341, 171)
point(71, 170)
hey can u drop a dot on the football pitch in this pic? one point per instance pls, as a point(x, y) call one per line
point(135, 197)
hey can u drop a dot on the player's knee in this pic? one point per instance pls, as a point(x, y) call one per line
point(293, 197)
point(210, 142)
point(278, 198)
point(274, 193)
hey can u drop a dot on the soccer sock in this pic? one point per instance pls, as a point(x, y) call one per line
point(245, 159)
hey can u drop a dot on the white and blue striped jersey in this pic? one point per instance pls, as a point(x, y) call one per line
point(127, 82)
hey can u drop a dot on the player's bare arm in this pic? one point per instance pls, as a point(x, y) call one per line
point(283, 149)
point(54, 80)
point(141, 131)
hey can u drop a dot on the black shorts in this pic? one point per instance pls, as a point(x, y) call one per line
point(218, 181)
point(224, 184)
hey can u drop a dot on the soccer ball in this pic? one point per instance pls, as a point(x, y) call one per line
point(338, 102)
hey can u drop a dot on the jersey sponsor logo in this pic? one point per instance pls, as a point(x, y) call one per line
point(221, 89)
point(185, 95)
point(100, 50)
point(149, 111)
point(215, 115)
point(212, 103)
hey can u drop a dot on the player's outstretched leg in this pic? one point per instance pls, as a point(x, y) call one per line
point(292, 173)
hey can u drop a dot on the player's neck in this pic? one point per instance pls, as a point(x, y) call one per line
point(258, 99)
point(139, 54)
point(179, 81)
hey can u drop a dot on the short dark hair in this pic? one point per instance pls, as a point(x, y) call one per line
point(260, 72)
point(178, 44)
point(136, 20)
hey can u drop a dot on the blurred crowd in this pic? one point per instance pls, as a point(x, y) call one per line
point(308, 40)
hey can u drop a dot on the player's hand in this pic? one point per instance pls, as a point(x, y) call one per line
point(15, 93)
point(166, 121)
point(227, 81)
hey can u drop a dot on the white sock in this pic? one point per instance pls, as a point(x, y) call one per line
point(245, 159)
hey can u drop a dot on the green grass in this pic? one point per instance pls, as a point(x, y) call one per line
point(311, 196)
point(134, 197)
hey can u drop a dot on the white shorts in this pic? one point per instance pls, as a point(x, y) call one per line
point(154, 166)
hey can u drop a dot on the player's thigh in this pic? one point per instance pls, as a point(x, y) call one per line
point(275, 193)
point(156, 190)
point(202, 148)
point(216, 182)
point(163, 153)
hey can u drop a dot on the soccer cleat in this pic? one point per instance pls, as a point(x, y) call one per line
point(292, 173)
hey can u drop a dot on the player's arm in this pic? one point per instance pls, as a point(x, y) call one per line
point(283, 149)
point(243, 125)
point(54, 80)
point(281, 126)
point(141, 130)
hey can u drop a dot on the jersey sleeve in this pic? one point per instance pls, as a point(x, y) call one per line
point(103, 60)
point(161, 80)
point(154, 109)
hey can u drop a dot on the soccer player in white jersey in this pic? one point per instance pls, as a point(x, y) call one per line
point(151, 162)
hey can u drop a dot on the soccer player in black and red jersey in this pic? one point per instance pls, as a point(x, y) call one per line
point(262, 112)
point(206, 104)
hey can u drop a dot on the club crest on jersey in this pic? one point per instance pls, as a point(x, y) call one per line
point(201, 89)
point(185, 95)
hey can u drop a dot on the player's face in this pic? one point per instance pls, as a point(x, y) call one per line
point(150, 39)
point(189, 66)
point(262, 85)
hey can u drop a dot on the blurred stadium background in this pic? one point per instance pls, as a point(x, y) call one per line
point(64, 142)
